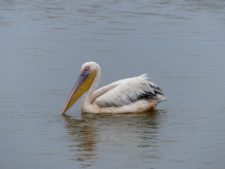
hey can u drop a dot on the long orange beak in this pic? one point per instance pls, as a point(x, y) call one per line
point(81, 86)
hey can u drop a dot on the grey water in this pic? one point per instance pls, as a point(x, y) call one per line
point(179, 43)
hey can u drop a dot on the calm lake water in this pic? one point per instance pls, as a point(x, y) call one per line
point(179, 43)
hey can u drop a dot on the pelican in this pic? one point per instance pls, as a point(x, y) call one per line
point(131, 95)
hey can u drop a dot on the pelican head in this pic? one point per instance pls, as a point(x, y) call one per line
point(87, 76)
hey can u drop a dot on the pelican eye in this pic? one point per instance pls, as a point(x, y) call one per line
point(86, 70)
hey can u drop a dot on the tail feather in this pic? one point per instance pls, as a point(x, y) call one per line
point(161, 97)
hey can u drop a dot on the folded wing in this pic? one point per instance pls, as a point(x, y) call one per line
point(130, 90)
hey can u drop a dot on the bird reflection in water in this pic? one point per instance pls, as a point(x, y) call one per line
point(126, 130)
point(83, 137)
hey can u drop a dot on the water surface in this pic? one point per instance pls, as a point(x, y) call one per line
point(180, 44)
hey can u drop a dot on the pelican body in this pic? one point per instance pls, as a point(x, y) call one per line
point(131, 95)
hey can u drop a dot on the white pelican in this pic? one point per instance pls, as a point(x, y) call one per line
point(136, 94)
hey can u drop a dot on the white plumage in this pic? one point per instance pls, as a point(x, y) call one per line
point(129, 90)
point(136, 94)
